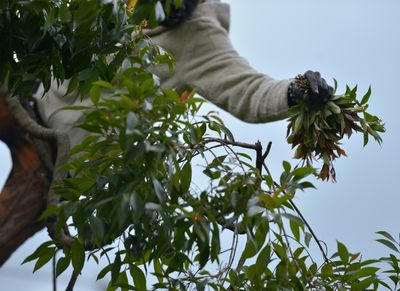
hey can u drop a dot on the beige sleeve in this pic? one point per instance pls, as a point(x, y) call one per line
point(210, 64)
point(51, 104)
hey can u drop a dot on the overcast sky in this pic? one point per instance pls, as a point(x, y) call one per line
point(355, 42)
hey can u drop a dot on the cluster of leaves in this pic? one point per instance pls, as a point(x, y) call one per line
point(175, 236)
point(42, 40)
point(66, 39)
point(131, 199)
point(317, 130)
point(392, 261)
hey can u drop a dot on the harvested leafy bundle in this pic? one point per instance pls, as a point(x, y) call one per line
point(316, 130)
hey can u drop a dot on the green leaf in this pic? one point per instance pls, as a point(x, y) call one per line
point(395, 263)
point(343, 252)
point(44, 258)
point(186, 177)
point(104, 272)
point(139, 278)
point(268, 179)
point(395, 279)
point(95, 94)
point(313, 269)
point(387, 235)
point(116, 267)
point(286, 166)
point(246, 156)
point(295, 227)
point(104, 84)
point(298, 124)
point(41, 250)
point(335, 85)
point(159, 190)
point(334, 108)
point(201, 285)
point(123, 282)
point(249, 251)
point(365, 98)
point(292, 217)
point(137, 204)
point(307, 238)
point(279, 250)
point(365, 138)
point(300, 173)
point(228, 134)
point(282, 271)
point(215, 243)
point(62, 265)
point(326, 271)
point(368, 271)
point(263, 259)
point(389, 244)
point(65, 14)
point(83, 146)
point(111, 287)
point(97, 227)
point(77, 256)
point(158, 271)
point(306, 184)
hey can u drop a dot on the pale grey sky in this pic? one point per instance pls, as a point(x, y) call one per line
point(356, 42)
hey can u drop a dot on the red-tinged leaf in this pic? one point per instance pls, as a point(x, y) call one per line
point(324, 174)
point(354, 256)
point(341, 152)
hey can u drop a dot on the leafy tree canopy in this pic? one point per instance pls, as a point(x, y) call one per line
point(131, 196)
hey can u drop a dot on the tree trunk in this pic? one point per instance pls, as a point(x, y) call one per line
point(23, 198)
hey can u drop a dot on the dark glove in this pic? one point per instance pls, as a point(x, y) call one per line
point(309, 87)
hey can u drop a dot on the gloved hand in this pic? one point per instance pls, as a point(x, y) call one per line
point(309, 87)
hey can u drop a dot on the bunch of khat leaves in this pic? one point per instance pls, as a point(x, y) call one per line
point(316, 130)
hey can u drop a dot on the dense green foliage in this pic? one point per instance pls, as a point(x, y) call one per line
point(131, 197)
point(64, 40)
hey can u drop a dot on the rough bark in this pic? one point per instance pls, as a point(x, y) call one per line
point(23, 197)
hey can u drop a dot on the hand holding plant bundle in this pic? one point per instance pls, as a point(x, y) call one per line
point(317, 126)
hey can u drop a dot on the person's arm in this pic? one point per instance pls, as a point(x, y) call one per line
point(211, 65)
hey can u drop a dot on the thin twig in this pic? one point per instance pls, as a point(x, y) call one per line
point(225, 141)
point(242, 260)
point(53, 270)
point(311, 231)
point(285, 235)
point(297, 210)
point(72, 281)
point(235, 241)
point(267, 150)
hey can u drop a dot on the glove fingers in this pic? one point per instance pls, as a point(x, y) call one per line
point(320, 93)
point(312, 79)
point(323, 85)
point(330, 91)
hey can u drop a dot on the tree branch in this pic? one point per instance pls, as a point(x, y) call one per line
point(33, 128)
point(22, 199)
point(297, 210)
point(72, 281)
point(257, 147)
